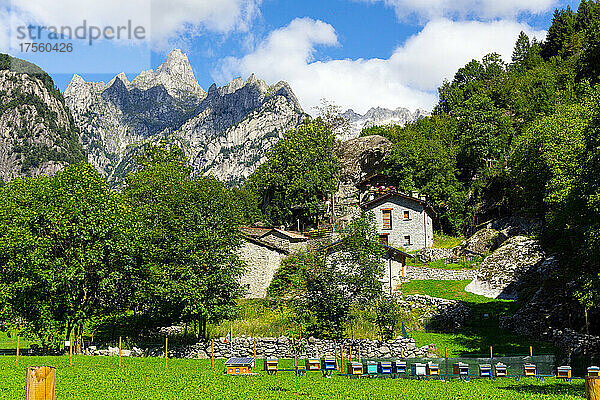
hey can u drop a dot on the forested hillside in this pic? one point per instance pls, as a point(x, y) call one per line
point(519, 138)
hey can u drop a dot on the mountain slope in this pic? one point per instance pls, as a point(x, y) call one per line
point(379, 116)
point(225, 131)
point(37, 133)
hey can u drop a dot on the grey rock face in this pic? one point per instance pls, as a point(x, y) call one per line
point(225, 132)
point(502, 274)
point(37, 134)
point(379, 116)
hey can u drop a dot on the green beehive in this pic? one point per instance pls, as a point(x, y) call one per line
point(371, 367)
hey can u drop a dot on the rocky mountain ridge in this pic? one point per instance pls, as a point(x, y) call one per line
point(225, 131)
point(37, 133)
point(379, 116)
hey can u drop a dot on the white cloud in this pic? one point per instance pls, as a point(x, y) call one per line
point(487, 9)
point(163, 21)
point(407, 79)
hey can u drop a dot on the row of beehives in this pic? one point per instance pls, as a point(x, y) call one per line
point(498, 370)
point(398, 367)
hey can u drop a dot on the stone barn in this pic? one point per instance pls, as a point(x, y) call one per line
point(262, 251)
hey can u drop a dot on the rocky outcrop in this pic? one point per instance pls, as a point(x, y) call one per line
point(431, 254)
point(483, 242)
point(435, 312)
point(503, 273)
point(359, 158)
point(37, 133)
point(225, 132)
point(378, 116)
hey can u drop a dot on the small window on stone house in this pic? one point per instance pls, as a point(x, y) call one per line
point(383, 239)
point(406, 214)
point(407, 240)
point(387, 218)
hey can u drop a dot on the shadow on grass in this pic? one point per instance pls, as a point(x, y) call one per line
point(575, 388)
point(482, 331)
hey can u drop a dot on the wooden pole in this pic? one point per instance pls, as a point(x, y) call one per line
point(166, 350)
point(592, 388)
point(350, 354)
point(255, 351)
point(212, 353)
point(295, 360)
point(401, 352)
point(335, 355)
point(71, 349)
point(40, 383)
point(17, 350)
point(530, 351)
point(120, 350)
point(342, 356)
point(491, 354)
point(359, 352)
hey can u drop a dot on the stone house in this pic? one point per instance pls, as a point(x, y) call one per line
point(402, 220)
point(394, 261)
point(262, 251)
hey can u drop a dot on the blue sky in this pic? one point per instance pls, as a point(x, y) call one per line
point(356, 53)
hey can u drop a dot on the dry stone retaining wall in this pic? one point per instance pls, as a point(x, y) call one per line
point(425, 273)
point(279, 347)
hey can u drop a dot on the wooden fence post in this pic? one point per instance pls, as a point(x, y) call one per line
point(71, 349)
point(17, 350)
point(531, 351)
point(335, 355)
point(342, 356)
point(40, 383)
point(255, 351)
point(212, 353)
point(592, 388)
point(119, 351)
point(166, 350)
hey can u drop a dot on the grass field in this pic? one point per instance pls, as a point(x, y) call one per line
point(100, 378)
point(453, 290)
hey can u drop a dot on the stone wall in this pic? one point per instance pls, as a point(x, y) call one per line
point(443, 313)
point(262, 263)
point(424, 273)
point(278, 347)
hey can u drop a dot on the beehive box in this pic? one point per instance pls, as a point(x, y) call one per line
point(329, 364)
point(399, 367)
point(593, 371)
point(529, 370)
point(355, 368)
point(501, 370)
point(433, 369)
point(312, 364)
point(418, 369)
point(371, 367)
point(271, 364)
point(385, 367)
point(564, 372)
point(461, 369)
point(485, 371)
point(239, 365)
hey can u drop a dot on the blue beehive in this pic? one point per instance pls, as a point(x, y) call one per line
point(385, 367)
point(485, 371)
point(399, 367)
point(371, 367)
point(329, 364)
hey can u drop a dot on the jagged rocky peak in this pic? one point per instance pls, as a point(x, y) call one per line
point(122, 77)
point(379, 116)
point(175, 75)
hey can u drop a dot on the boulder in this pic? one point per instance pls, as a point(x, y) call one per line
point(504, 272)
point(483, 242)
